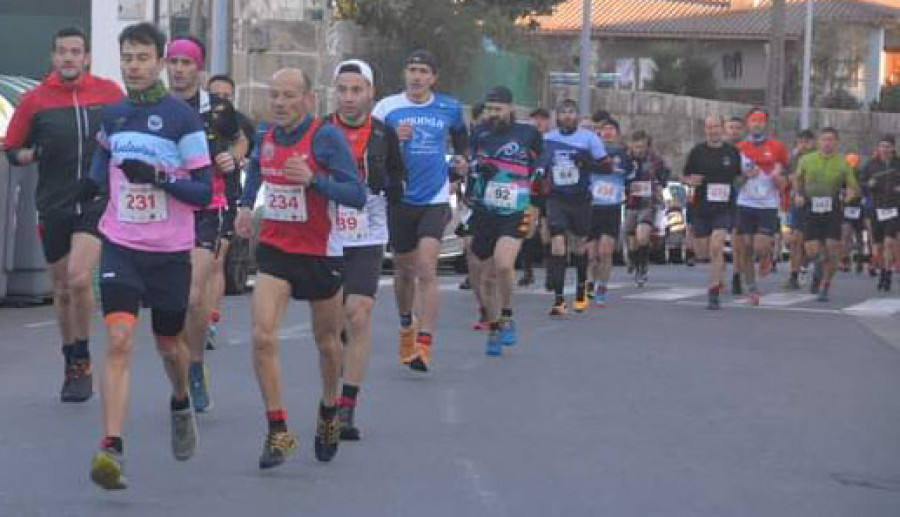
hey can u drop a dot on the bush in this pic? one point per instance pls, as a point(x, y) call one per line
point(890, 100)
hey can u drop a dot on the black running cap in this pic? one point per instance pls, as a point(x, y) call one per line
point(423, 57)
point(500, 94)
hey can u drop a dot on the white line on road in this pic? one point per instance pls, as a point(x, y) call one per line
point(667, 295)
point(450, 408)
point(780, 299)
point(475, 479)
point(40, 324)
point(875, 307)
point(737, 305)
point(294, 332)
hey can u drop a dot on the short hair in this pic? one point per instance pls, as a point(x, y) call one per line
point(600, 116)
point(830, 130)
point(806, 134)
point(71, 32)
point(477, 110)
point(640, 135)
point(196, 41)
point(224, 78)
point(719, 118)
point(888, 139)
point(145, 33)
point(739, 120)
point(539, 113)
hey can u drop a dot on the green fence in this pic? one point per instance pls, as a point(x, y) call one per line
point(511, 70)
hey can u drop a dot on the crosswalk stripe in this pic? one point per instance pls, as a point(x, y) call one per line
point(667, 295)
point(874, 307)
point(780, 299)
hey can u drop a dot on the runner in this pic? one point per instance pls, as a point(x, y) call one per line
point(607, 191)
point(882, 185)
point(571, 155)
point(805, 144)
point(821, 176)
point(735, 131)
point(504, 154)
point(534, 241)
point(364, 232)
point(154, 161)
point(713, 168)
point(223, 86)
point(852, 238)
point(54, 125)
point(647, 177)
point(185, 57)
point(764, 163)
point(306, 169)
point(424, 122)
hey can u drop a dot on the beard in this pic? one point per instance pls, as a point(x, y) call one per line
point(499, 123)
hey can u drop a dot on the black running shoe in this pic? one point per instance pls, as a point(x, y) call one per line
point(277, 448)
point(349, 432)
point(78, 385)
point(328, 436)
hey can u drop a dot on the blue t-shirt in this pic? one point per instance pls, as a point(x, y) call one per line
point(560, 160)
point(608, 189)
point(426, 153)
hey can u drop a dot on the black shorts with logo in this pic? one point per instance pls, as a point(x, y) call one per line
point(884, 229)
point(207, 228)
point(569, 214)
point(362, 269)
point(487, 228)
point(162, 279)
point(757, 221)
point(311, 278)
point(708, 221)
point(820, 227)
point(605, 221)
point(56, 229)
point(410, 223)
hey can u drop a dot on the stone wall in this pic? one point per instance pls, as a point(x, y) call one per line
point(676, 122)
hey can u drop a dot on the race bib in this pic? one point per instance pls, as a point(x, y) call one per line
point(718, 192)
point(852, 212)
point(141, 204)
point(565, 174)
point(606, 192)
point(352, 224)
point(501, 195)
point(885, 214)
point(821, 205)
point(285, 203)
point(641, 189)
point(759, 190)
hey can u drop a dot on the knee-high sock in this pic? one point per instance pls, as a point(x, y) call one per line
point(558, 273)
point(581, 268)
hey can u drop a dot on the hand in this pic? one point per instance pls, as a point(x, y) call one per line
point(296, 170)
point(138, 172)
point(460, 165)
point(405, 131)
point(87, 190)
point(28, 156)
point(226, 162)
point(243, 223)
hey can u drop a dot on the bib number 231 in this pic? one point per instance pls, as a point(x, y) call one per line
point(142, 204)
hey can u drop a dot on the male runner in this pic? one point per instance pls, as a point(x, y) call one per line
point(55, 124)
point(185, 57)
point(882, 185)
point(764, 163)
point(364, 232)
point(607, 192)
point(534, 241)
point(713, 168)
point(647, 177)
point(852, 238)
point(307, 169)
point(805, 144)
point(821, 177)
point(154, 160)
point(571, 155)
point(424, 121)
point(735, 131)
point(504, 154)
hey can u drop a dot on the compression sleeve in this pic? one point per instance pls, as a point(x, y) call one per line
point(196, 190)
point(252, 178)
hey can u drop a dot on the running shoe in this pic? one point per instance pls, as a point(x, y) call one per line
point(78, 385)
point(277, 448)
point(816, 281)
point(465, 285)
point(407, 349)
point(581, 302)
point(599, 298)
point(508, 332)
point(107, 469)
point(422, 357)
point(558, 309)
point(184, 433)
point(526, 280)
point(211, 333)
point(589, 289)
point(481, 325)
point(823, 294)
point(328, 436)
point(198, 381)
point(349, 431)
point(494, 347)
point(736, 287)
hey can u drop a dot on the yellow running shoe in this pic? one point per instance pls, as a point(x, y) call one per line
point(106, 470)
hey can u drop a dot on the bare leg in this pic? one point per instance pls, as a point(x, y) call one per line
point(427, 288)
point(270, 299)
point(84, 256)
point(327, 316)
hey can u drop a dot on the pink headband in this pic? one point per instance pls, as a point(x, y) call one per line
point(186, 48)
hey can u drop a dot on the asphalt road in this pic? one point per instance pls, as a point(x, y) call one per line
point(651, 407)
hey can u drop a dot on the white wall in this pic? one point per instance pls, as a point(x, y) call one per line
point(105, 29)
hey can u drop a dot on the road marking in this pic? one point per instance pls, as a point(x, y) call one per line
point(780, 299)
point(874, 307)
point(475, 479)
point(667, 295)
point(40, 324)
point(450, 412)
point(738, 305)
point(296, 331)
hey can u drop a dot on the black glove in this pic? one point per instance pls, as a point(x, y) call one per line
point(394, 192)
point(584, 161)
point(139, 172)
point(87, 190)
point(486, 170)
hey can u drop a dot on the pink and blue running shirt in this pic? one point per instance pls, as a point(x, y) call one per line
point(170, 136)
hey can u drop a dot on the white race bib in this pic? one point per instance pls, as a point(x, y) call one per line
point(501, 195)
point(821, 205)
point(285, 203)
point(885, 214)
point(141, 204)
point(565, 174)
point(352, 224)
point(606, 192)
point(641, 188)
point(852, 212)
point(718, 192)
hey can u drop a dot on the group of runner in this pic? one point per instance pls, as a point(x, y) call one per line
point(148, 183)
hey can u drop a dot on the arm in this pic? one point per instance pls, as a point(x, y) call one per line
point(196, 190)
point(97, 177)
point(342, 184)
point(252, 181)
point(18, 134)
point(396, 169)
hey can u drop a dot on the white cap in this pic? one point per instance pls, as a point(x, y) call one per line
point(357, 66)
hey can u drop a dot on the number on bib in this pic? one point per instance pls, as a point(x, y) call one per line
point(718, 192)
point(641, 188)
point(606, 192)
point(352, 224)
point(821, 205)
point(852, 212)
point(285, 203)
point(885, 214)
point(565, 174)
point(501, 195)
point(141, 204)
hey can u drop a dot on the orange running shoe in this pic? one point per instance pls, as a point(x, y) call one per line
point(408, 343)
point(422, 357)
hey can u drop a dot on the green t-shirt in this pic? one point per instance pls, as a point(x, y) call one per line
point(825, 176)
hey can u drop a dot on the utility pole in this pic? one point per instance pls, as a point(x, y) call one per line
point(807, 66)
point(584, 59)
point(775, 86)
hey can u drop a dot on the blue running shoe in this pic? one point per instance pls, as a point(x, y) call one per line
point(197, 383)
point(507, 332)
point(494, 347)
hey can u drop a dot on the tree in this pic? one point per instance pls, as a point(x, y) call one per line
point(683, 73)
